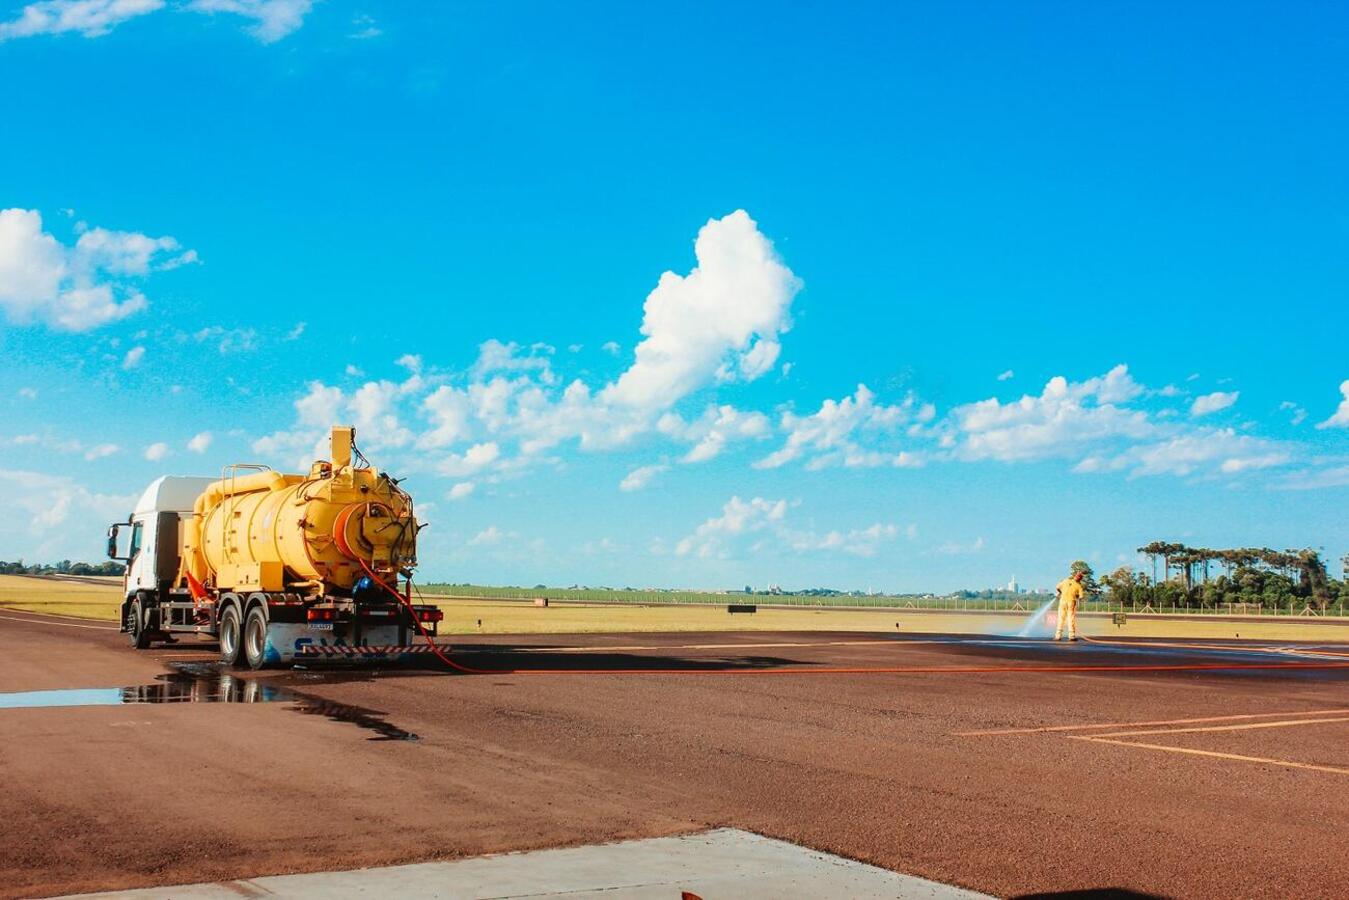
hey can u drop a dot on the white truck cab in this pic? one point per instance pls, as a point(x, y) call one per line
point(152, 535)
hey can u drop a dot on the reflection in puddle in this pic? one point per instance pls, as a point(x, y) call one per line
point(208, 684)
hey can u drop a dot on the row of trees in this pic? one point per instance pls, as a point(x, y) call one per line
point(64, 567)
point(1200, 576)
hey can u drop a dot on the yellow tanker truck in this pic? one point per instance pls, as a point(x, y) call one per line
point(279, 568)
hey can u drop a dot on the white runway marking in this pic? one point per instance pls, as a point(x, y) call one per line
point(61, 624)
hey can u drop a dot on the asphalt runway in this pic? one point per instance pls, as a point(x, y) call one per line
point(1204, 769)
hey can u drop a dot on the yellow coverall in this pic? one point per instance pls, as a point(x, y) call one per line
point(1069, 591)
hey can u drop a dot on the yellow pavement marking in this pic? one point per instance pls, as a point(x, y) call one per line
point(1211, 753)
point(1245, 727)
point(62, 624)
point(1054, 728)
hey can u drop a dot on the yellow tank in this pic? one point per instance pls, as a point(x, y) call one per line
point(262, 530)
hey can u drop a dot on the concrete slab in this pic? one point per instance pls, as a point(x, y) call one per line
point(726, 862)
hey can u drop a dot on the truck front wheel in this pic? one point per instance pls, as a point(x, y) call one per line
point(255, 638)
point(231, 636)
point(135, 625)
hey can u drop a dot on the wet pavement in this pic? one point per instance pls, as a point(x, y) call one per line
point(209, 683)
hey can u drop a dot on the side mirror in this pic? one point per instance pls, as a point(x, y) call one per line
point(112, 541)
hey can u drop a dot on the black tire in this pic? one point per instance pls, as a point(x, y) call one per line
point(135, 626)
point(231, 637)
point(255, 638)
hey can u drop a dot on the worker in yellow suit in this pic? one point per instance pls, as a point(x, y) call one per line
point(1069, 591)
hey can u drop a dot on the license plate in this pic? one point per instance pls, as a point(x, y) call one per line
point(320, 626)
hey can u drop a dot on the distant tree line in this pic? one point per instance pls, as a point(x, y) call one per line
point(64, 567)
point(1199, 576)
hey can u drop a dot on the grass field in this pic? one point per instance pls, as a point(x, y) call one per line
point(92, 598)
point(98, 599)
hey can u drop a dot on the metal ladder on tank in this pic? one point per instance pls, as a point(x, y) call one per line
point(230, 474)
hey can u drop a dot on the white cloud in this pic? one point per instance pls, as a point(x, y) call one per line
point(510, 408)
point(495, 356)
point(461, 490)
point(858, 541)
point(1007, 375)
point(28, 393)
point(294, 333)
point(955, 548)
point(832, 436)
point(711, 432)
point(767, 519)
point(229, 340)
point(101, 450)
point(737, 517)
point(471, 461)
point(1212, 403)
point(611, 347)
point(128, 252)
point(1299, 415)
point(133, 357)
point(640, 477)
point(319, 408)
point(90, 18)
point(272, 19)
point(73, 288)
point(373, 409)
point(1062, 420)
point(374, 414)
point(450, 412)
point(157, 451)
point(53, 517)
point(200, 442)
point(1317, 479)
point(721, 321)
point(490, 536)
point(1208, 450)
point(364, 28)
point(353, 370)
point(1340, 419)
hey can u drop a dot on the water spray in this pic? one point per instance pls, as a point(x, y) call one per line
point(1036, 625)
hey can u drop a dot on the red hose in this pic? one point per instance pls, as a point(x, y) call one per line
point(835, 670)
point(406, 601)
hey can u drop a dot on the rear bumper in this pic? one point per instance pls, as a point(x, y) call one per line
point(287, 642)
point(364, 652)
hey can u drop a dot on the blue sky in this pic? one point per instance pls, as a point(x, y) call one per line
point(976, 290)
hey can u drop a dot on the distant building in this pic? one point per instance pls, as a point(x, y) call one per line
point(1012, 586)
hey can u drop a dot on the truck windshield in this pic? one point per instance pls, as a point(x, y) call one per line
point(135, 540)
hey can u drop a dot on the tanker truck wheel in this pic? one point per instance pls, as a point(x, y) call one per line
point(231, 636)
point(255, 638)
point(135, 626)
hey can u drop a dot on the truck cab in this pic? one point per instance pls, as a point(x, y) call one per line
point(149, 543)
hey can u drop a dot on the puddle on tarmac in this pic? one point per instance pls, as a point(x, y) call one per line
point(208, 684)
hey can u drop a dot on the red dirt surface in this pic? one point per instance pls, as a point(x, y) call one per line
point(877, 767)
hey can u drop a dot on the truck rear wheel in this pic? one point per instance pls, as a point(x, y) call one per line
point(135, 626)
point(231, 636)
point(255, 638)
